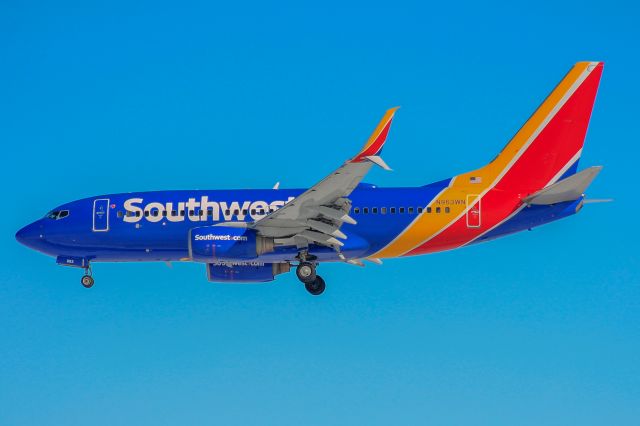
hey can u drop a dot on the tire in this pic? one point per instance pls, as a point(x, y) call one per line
point(316, 287)
point(87, 281)
point(306, 272)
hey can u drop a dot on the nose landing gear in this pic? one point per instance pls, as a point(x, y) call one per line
point(87, 279)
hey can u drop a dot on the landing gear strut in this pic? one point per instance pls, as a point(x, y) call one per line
point(87, 279)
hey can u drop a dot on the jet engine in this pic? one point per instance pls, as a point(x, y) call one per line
point(244, 272)
point(226, 243)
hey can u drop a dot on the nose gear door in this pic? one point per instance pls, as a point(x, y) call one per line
point(101, 215)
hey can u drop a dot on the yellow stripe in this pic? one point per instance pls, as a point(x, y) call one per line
point(426, 227)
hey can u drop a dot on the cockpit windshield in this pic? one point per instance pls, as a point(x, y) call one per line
point(57, 214)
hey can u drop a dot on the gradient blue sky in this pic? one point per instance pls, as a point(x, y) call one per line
point(538, 328)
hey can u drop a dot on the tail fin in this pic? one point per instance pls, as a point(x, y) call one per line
point(549, 144)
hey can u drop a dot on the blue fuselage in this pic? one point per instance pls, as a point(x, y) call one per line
point(154, 226)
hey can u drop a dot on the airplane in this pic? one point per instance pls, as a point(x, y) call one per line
point(254, 235)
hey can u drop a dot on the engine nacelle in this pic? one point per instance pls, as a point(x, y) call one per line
point(226, 243)
point(244, 272)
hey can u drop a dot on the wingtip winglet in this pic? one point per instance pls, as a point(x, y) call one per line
point(376, 141)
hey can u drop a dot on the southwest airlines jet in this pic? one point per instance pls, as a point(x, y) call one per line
point(254, 235)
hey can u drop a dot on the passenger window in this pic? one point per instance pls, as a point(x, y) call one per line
point(447, 210)
point(392, 210)
point(419, 209)
point(356, 210)
point(236, 212)
point(401, 210)
point(261, 211)
point(253, 212)
point(138, 214)
point(227, 212)
point(244, 212)
point(374, 210)
point(383, 210)
point(174, 213)
point(182, 213)
point(146, 213)
point(428, 209)
point(438, 209)
point(410, 210)
point(120, 214)
point(129, 213)
point(365, 210)
point(154, 213)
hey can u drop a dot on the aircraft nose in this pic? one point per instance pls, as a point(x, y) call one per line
point(29, 234)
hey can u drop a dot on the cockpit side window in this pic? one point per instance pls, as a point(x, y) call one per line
point(57, 214)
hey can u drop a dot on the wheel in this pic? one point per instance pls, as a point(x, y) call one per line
point(316, 287)
point(306, 272)
point(87, 281)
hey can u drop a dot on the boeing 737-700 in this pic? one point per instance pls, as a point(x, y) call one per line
point(255, 235)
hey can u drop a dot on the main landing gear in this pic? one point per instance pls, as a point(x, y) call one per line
point(87, 279)
point(316, 287)
point(306, 272)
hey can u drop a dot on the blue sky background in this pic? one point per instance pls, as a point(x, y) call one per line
point(538, 328)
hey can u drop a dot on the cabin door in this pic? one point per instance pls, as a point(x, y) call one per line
point(101, 215)
point(474, 212)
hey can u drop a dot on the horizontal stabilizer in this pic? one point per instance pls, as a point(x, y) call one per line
point(568, 189)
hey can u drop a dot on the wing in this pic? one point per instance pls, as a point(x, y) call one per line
point(316, 215)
